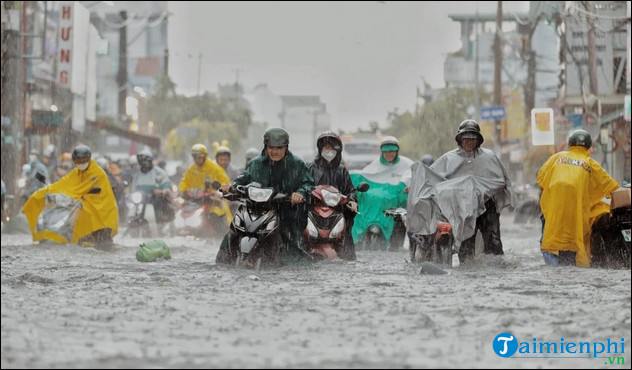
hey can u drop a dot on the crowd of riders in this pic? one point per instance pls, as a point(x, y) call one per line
point(469, 179)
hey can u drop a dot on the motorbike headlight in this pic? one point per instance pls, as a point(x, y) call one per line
point(178, 222)
point(137, 197)
point(337, 229)
point(21, 182)
point(194, 221)
point(271, 225)
point(260, 195)
point(237, 221)
point(331, 199)
point(311, 229)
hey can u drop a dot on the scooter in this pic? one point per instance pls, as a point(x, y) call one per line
point(194, 218)
point(254, 236)
point(437, 248)
point(59, 216)
point(399, 230)
point(324, 236)
point(610, 237)
point(138, 226)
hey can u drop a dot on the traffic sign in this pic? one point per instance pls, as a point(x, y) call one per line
point(493, 113)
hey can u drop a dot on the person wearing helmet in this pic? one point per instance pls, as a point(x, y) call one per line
point(384, 175)
point(62, 168)
point(154, 181)
point(199, 176)
point(277, 167)
point(97, 222)
point(36, 167)
point(222, 157)
point(467, 172)
point(326, 169)
point(572, 186)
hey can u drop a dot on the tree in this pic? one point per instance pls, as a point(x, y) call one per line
point(432, 131)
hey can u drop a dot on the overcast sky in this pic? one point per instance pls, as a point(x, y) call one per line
point(362, 58)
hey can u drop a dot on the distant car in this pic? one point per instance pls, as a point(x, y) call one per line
point(358, 153)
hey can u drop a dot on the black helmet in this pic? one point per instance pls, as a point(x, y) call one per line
point(328, 137)
point(580, 137)
point(469, 127)
point(427, 159)
point(276, 136)
point(81, 152)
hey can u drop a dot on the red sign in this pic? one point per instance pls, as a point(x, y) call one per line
point(64, 61)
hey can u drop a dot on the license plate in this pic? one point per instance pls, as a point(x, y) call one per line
point(626, 234)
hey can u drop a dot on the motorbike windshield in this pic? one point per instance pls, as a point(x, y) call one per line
point(59, 215)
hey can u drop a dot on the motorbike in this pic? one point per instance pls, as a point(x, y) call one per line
point(59, 217)
point(137, 225)
point(374, 240)
point(324, 236)
point(194, 216)
point(254, 235)
point(437, 248)
point(610, 237)
point(528, 209)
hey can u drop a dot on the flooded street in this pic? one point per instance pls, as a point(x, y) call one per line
point(73, 307)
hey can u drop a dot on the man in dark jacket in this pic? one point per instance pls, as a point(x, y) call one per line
point(326, 170)
point(278, 168)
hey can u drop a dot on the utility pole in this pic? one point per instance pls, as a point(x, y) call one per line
point(498, 61)
point(199, 72)
point(592, 52)
point(122, 71)
point(477, 101)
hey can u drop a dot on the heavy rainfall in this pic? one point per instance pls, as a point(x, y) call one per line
point(142, 140)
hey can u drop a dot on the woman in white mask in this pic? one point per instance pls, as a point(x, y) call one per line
point(326, 169)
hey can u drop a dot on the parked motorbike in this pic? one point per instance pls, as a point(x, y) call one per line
point(194, 217)
point(326, 227)
point(610, 238)
point(437, 248)
point(254, 233)
point(399, 230)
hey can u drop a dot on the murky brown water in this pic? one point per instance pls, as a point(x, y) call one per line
point(72, 307)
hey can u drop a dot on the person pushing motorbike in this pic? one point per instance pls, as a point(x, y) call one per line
point(572, 184)
point(97, 222)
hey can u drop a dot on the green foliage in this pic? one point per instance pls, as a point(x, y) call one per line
point(216, 118)
point(432, 130)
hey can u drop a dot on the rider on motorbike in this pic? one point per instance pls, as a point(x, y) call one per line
point(200, 175)
point(386, 191)
point(278, 168)
point(97, 221)
point(327, 170)
point(154, 181)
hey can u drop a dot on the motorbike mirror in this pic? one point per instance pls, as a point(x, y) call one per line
point(363, 187)
point(40, 177)
point(216, 185)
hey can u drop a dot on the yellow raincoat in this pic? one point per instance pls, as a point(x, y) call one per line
point(573, 185)
point(195, 177)
point(99, 210)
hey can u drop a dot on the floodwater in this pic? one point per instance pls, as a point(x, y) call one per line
point(64, 306)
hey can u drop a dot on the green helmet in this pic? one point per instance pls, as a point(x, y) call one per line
point(580, 138)
point(276, 136)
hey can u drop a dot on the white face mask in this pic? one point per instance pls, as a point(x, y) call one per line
point(83, 166)
point(32, 158)
point(329, 155)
